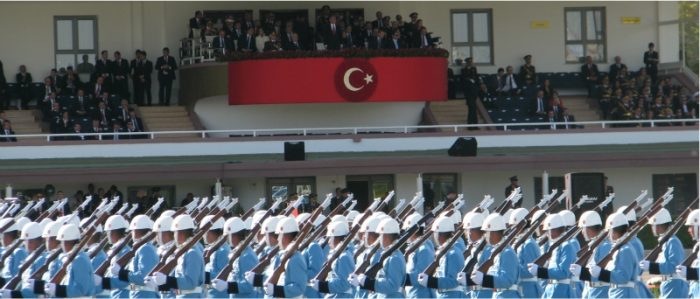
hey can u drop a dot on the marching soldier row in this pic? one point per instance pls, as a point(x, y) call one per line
point(195, 253)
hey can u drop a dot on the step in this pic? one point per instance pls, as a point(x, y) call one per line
point(162, 109)
point(164, 114)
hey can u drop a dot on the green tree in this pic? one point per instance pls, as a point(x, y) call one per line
point(689, 21)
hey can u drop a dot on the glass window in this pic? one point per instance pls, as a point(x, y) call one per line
point(283, 187)
point(64, 35)
point(366, 188)
point(86, 34)
point(585, 34)
point(685, 189)
point(75, 37)
point(436, 186)
point(471, 35)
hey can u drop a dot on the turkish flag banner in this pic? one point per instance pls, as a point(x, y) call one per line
point(337, 80)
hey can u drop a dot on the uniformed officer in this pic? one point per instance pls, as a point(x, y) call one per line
point(445, 279)
point(35, 288)
point(502, 276)
point(472, 223)
point(10, 237)
point(99, 255)
point(31, 236)
point(527, 253)
point(390, 279)
point(293, 282)
point(693, 272)
point(144, 260)
point(217, 259)
point(236, 285)
point(77, 282)
point(592, 226)
point(672, 255)
point(621, 270)
point(368, 229)
point(527, 71)
point(557, 267)
point(641, 287)
point(313, 255)
point(570, 221)
point(260, 237)
point(188, 276)
point(116, 229)
point(418, 260)
point(336, 284)
point(268, 243)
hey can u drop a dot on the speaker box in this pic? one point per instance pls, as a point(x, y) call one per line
point(586, 183)
point(294, 151)
point(463, 147)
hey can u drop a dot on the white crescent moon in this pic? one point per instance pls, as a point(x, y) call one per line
point(346, 79)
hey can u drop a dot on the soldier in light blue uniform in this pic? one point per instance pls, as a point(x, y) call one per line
point(218, 259)
point(672, 255)
point(292, 283)
point(390, 279)
point(502, 276)
point(116, 229)
point(314, 257)
point(445, 280)
point(236, 285)
point(368, 229)
point(527, 252)
point(92, 245)
point(557, 268)
point(621, 270)
point(31, 235)
point(418, 260)
point(692, 272)
point(569, 222)
point(269, 242)
point(336, 284)
point(165, 240)
point(188, 276)
point(591, 227)
point(34, 288)
point(144, 260)
point(10, 237)
point(78, 281)
point(471, 224)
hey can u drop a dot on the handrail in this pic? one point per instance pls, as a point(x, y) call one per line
point(358, 130)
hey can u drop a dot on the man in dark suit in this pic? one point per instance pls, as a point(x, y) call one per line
point(247, 41)
point(166, 67)
point(99, 88)
point(423, 39)
point(104, 114)
point(81, 105)
point(615, 69)
point(378, 41)
point(131, 129)
point(589, 72)
point(116, 128)
point(286, 36)
point(366, 35)
point(197, 22)
point(222, 43)
point(247, 22)
point(379, 22)
point(294, 45)
point(332, 34)
point(135, 120)
point(141, 70)
point(121, 73)
point(395, 42)
point(512, 186)
point(528, 75)
point(7, 131)
point(79, 134)
point(539, 105)
point(349, 40)
point(471, 91)
point(103, 68)
point(122, 112)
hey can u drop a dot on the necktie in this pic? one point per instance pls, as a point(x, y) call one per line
point(136, 125)
point(539, 104)
point(333, 28)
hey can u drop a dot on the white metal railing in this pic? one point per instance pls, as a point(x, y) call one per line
point(364, 130)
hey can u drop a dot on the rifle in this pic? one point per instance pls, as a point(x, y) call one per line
point(415, 245)
point(100, 246)
point(500, 247)
point(372, 271)
point(9, 251)
point(46, 213)
point(11, 211)
point(691, 257)
point(77, 249)
point(399, 205)
point(223, 274)
point(385, 202)
point(535, 223)
point(323, 273)
point(206, 210)
point(411, 206)
point(114, 251)
point(289, 252)
point(543, 202)
point(7, 225)
point(359, 269)
point(584, 199)
point(265, 261)
point(508, 202)
point(36, 275)
point(124, 259)
point(469, 266)
point(12, 283)
point(254, 209)
point(152, 210)
point(290, 208)
point(680, 221)
point(430, 270)
point(411, 210)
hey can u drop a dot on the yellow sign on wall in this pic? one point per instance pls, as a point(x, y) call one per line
point(539, 24)
point(631, 20)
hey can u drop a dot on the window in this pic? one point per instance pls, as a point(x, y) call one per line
point(74, 37)
point(436, 186)
point(472, 35)
point(366, 188)
point(585, 34)
point(685, 189)
point(282, 187)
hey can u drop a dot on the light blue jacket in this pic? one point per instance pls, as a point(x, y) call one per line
point(527, 253)
point(336, 284)
point(415, 264)
point(672, 255)
point(217, 261)
point(241, 265)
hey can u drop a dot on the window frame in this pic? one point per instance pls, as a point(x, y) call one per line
point(584, 41)
point(470, 33)
point(289, 182)
point(76, 51)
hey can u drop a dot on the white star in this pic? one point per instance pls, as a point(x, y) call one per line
point(368, 78)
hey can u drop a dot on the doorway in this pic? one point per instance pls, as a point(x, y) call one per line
point(367, 187)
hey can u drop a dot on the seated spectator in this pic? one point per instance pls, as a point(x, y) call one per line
point(556, 106)
point(237, 32)
point(248, 42)
point(79, 134)
point(604, 97)
point(96, 127)
point(72, 84)
point(209, 30)
point(53, 114)
point(567, 118)
point(104, 114)
point(116, 128)
point(552, 120)
point(7, 132)
point(47, 103)
point(130, 129)
point(122, 112)
point(222, 44)
point(349, 41)
point(261, 40)
point(539, 105)
point(99, 88)
point(616, 67)
point(135, 120)
point(286, 36)
point(367, 34)
point(547, 89)
point(273, 44)
point(589, 73)
point(498, 82)
point(423, 40)
point(294, 45)
point(62, 125)
point(510, 84)
point(82, 105)
point(395, 42)
point(378, 42)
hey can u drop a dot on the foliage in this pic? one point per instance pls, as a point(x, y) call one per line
point(349, 53)
point(688, 15)
point(650, 242)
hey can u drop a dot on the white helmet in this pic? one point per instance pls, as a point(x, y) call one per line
point(15, 226)
point(31, 230)
point(68, 232)
point(319, 220)
point(218, 224)
point(568, 217)
point(98, 228)
point(116, 222)
point(301, 218)
point(356, 222)
point(473, 220)
point(536, 215)
point(269, 225)
point(248, 223)
point(456, 217)
point(443, 224)
point(167, 213)
point(163, 224)
point(257, 217)
point(234, 225)
point(72, 219)
point(371, 224)
point(182, 222)
point(337, 229)
point(517, 216)
point(506, 215)
point(141, 222)
point(588, 219)
point(661, 217)
point(352, 215)
point(411, 220)
point(51, 229)
point(631, 215)
point(287, 225)
point(615, 220)
point(388, 226)
point(693, 218)
point(44, 222)
point(552, 221)
point(338, 217)
point(494, 222)
point(21, 222)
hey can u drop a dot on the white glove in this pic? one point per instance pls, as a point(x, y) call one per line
point(159, 278)
point(269, 289)
point(249, 277)
point(50, 289)
point(423, 279)
point(462, 278)
point(97, 279)
point(219, 284)
point(150, 282)
point(114, 269)
point(477, 277)
point(29, 284)
point(594, 270)
point(533, 269)
point(352, 279)
point(361, 279)
point(682, 271)
point(5, 293)
point(314, 284)
point(644, 265)
point(575, 269)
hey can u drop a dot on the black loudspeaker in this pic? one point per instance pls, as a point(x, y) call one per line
point(294, 151)
point(586, 183)
point(463, 147)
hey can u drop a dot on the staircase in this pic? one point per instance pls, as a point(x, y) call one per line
point(581, 108)
point(167, 118)
point(24, 121)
